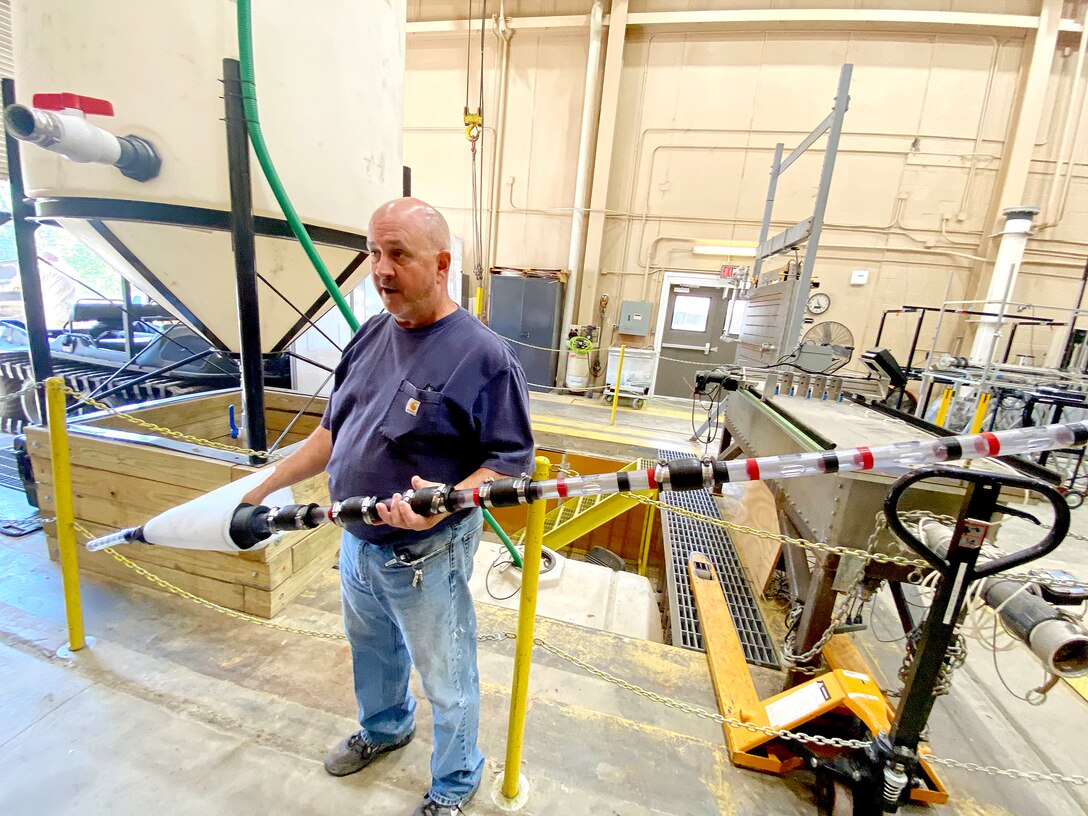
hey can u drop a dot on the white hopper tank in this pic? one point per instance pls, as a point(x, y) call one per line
point(329, 79)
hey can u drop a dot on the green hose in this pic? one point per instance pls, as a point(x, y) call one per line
point(490, 519)
point(256, 136)
point(253, 121)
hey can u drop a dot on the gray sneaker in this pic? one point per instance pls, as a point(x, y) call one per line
point(353, 754)
point(429, 807)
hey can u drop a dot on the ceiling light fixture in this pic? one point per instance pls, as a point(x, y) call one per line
point(736, 249)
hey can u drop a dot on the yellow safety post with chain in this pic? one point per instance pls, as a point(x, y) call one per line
point(616, 386)
point(62, 504)
point(515, 789)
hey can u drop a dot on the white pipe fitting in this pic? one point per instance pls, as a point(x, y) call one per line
point(66, 133)
point(71, 135)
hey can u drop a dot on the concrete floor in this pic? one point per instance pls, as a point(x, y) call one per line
point(182, 710)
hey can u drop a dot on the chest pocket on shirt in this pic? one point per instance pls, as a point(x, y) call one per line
point(417, 417)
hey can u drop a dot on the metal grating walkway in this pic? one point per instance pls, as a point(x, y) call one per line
point(9, 471)
point(683, 536)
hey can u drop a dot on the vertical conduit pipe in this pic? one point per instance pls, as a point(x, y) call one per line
point(591, 113)
point(503, 33)
point(1070, 133)
point(1010, 253)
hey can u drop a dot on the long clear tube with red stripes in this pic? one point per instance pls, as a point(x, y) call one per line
point(689, 474)
point(249, 525)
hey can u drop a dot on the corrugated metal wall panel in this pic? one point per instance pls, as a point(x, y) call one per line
point(765, 324)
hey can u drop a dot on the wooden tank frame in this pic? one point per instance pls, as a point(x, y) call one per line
point(122, 475)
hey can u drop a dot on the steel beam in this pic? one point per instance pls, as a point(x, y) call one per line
point(245, 260)
point(22, 212)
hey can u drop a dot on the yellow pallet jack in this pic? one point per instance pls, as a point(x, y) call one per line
point(845, 703)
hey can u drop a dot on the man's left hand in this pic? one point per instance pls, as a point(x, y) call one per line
point(400, 513)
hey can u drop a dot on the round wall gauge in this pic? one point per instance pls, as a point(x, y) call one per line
point(819, 302)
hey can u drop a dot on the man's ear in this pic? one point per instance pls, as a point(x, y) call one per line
point(445, 258)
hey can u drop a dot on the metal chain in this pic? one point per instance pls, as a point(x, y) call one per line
point(1033, 577)
point(954, 657)
point(815, 546)
point(840, 614)
point(679, 705)
point(797, 661)
point(159, 429)
point(1011, 773)
point(732, 722)
point(562, 349)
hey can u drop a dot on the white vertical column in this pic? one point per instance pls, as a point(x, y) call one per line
point(1010, 253)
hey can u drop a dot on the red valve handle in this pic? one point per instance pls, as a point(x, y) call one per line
point(62, 101)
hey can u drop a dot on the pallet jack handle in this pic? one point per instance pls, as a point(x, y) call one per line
point(895, 754)
point(991, 483)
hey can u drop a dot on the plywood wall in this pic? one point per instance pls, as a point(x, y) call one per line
point(699, 113)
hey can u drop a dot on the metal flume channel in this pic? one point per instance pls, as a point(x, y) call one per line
point(683, 536)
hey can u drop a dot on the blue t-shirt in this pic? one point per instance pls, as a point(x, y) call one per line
point(440, 402)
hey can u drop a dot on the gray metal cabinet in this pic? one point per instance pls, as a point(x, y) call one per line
point(528, 311)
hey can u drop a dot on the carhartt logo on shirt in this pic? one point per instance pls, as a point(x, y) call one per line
point(411, 407)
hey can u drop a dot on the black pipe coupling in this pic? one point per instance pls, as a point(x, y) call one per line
point(249, 526)
point(139, 159)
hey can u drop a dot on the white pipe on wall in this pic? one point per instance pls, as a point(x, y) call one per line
point(590, 114)
point(1078, 118)
point(1010, 254)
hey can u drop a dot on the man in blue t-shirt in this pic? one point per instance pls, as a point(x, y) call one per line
point(422, 390)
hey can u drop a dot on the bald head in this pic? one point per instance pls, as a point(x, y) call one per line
point(419, 216)
point(409, 243)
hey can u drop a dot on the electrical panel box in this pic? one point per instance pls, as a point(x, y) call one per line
point(635, 317)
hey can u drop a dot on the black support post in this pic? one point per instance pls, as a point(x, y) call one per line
point(22, 214)
point(925, 670)
point(126, 317)
point(245, 259)
point(910, 357)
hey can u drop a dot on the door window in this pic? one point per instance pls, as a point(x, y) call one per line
point(690, 313)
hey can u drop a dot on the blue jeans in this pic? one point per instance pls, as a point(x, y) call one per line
point(416, 608)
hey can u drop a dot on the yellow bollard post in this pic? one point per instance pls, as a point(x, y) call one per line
point(616, 386)
point(647, 536)
point(946, 404)
point(980, 413)
point(62, 507)
point(514, 789)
